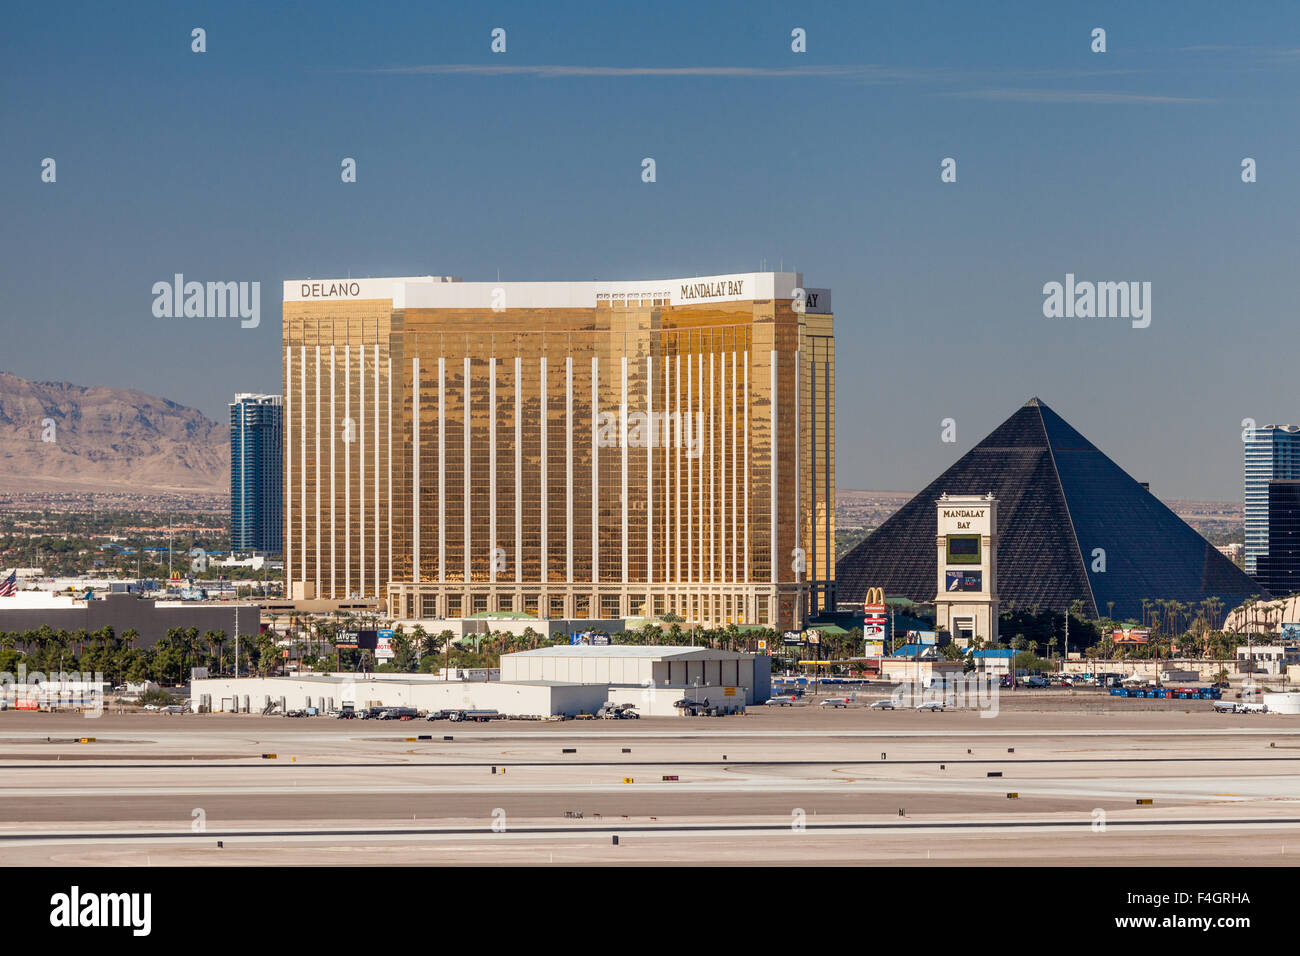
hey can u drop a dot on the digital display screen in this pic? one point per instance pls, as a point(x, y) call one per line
point(963, 580)
point(963, 549)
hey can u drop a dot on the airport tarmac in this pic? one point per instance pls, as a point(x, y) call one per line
point(788, 785)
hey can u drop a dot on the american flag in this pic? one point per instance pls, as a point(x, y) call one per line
point(10, 584)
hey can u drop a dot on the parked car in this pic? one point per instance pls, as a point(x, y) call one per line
point(1035, 681)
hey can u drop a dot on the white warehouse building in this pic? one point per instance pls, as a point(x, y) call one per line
point(549, 681)
point(649, 676)
point(421, 691)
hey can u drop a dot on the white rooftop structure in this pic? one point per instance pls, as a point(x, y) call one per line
point(733, 676)
point(446, 292)
point(653, 652)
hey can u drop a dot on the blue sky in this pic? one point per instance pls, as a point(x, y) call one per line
point(1115, 166)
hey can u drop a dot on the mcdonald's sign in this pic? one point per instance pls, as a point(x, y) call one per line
point(874, 605)
point(873, 608)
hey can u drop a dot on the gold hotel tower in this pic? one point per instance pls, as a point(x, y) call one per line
point(569, 449)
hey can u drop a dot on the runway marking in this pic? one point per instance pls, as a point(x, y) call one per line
point(935, 731)
point(666, 762)
point(701, 829)
point(1276, 788)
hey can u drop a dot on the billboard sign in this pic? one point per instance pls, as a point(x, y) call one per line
point(383, 645)
point(792, 637)
point(351, 640)
point(963, 580)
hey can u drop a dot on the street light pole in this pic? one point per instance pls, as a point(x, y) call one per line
point(1066, 654)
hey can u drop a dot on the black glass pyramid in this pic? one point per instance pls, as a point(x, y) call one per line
point(1059, 499)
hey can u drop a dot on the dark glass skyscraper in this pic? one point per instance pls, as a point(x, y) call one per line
point(1279, 569)
point(257, 473)
point(1271, 452)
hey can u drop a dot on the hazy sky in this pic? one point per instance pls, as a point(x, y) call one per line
point(1125, 165)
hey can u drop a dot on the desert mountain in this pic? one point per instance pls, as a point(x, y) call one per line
point(106, 439)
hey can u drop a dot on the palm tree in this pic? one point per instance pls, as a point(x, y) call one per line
point(218, 638)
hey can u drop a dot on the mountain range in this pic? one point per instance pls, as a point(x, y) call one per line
point(55, 436)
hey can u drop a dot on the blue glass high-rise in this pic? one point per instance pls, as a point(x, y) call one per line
point(257, 473)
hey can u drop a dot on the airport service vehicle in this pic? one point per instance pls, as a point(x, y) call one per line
point(445, 714)
point(478, 716)
point(930, 705)
point(346, 715)
point(617, 711)
point(835, 702)
point(695, 708)
point(1252, 708)
point(785, 700)
point(1225, 707)
point(399, 713)
point(886, 704)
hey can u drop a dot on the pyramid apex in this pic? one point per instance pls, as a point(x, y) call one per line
point(1033, 402)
